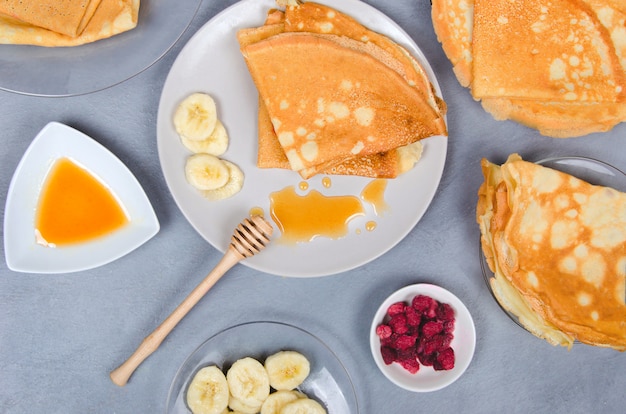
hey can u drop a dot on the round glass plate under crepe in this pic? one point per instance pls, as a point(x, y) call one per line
point(78, 70)
point(211, 62)
point(587, 169)
point(328, 382)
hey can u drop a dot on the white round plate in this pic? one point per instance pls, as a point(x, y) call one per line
point(56, 141)
point(464, 342)
point(328, 381)
point(78, 70)
point(211, 62)
point(588, 169)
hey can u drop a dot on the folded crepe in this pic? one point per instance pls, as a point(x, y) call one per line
point(388, 164)
point(65, 23)
point(559, 68)
point(557, 248)
point(305, 33)
point(68, 17)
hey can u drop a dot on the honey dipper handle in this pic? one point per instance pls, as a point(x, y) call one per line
point(120, 375)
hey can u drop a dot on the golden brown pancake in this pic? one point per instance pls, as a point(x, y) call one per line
point(389, 164)
point(557, 247)
point(68, 17)
point(551, 52)
point(111, 17)
point(312, 17)
point(453, 21)
point(270, 153)
point(558, 119)
point(329, 103)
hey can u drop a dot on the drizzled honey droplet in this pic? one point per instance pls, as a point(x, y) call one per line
point(326, 182)
point(257, 211)
point(374, 193)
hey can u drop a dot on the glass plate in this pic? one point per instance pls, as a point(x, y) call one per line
point(212, 62)
point(70, 71)
point(328, 381)
point(588, 169)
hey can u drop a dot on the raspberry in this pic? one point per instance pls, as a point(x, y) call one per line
point(405, 341)
point(413, 318)
point(425, 305)
point(445, 360)
point(432, 345)
point(383, 331)
point(421, 303)
point(396, 308)
point(432, 328)
point(448, 326)
point(446, 339)
point(410, 364)
point(445, 312)
point(388, 354)
point(406, 353)
point(398, 324)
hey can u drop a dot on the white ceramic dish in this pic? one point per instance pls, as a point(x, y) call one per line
point(55, 141)
point(464, 342)
point(211, 62)
point(587, 169)
point(328, 381)
point(69, 71)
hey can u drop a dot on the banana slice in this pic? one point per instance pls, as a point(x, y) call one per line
point(277, 400)
point(195, 117)
point(287, 369)
point(409, 155)
point(248, 382)
point(232, 186)
point(206, 172)
point(239, 406)
point(208, 391)
point(216, 144)
point(303, 406)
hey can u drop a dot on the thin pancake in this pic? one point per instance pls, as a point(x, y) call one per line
point(312, 17)
point(555, 52)
point(271, 155)
point(315, 18)
point(68, 17)
point(560, 243)
point(343, 102)
point(112, 17)
point(453, 21)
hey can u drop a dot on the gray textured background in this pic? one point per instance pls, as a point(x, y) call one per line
point(61, 335)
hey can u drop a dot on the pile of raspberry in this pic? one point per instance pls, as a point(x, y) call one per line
point(419, 332)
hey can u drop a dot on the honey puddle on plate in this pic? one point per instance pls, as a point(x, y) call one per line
point(302, 218)
point(74, 207)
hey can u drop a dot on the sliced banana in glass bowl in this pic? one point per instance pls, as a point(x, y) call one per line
point(281, 363)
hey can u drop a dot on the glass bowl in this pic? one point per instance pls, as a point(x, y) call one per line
point(588, 169)
point(464, 342)
point(328, 381)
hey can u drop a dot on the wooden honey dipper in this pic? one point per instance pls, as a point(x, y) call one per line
point(249, 238)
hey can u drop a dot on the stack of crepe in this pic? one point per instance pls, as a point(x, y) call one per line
point(557, 248)
point(53, 23)
point(336, 97)
point(559, 67)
